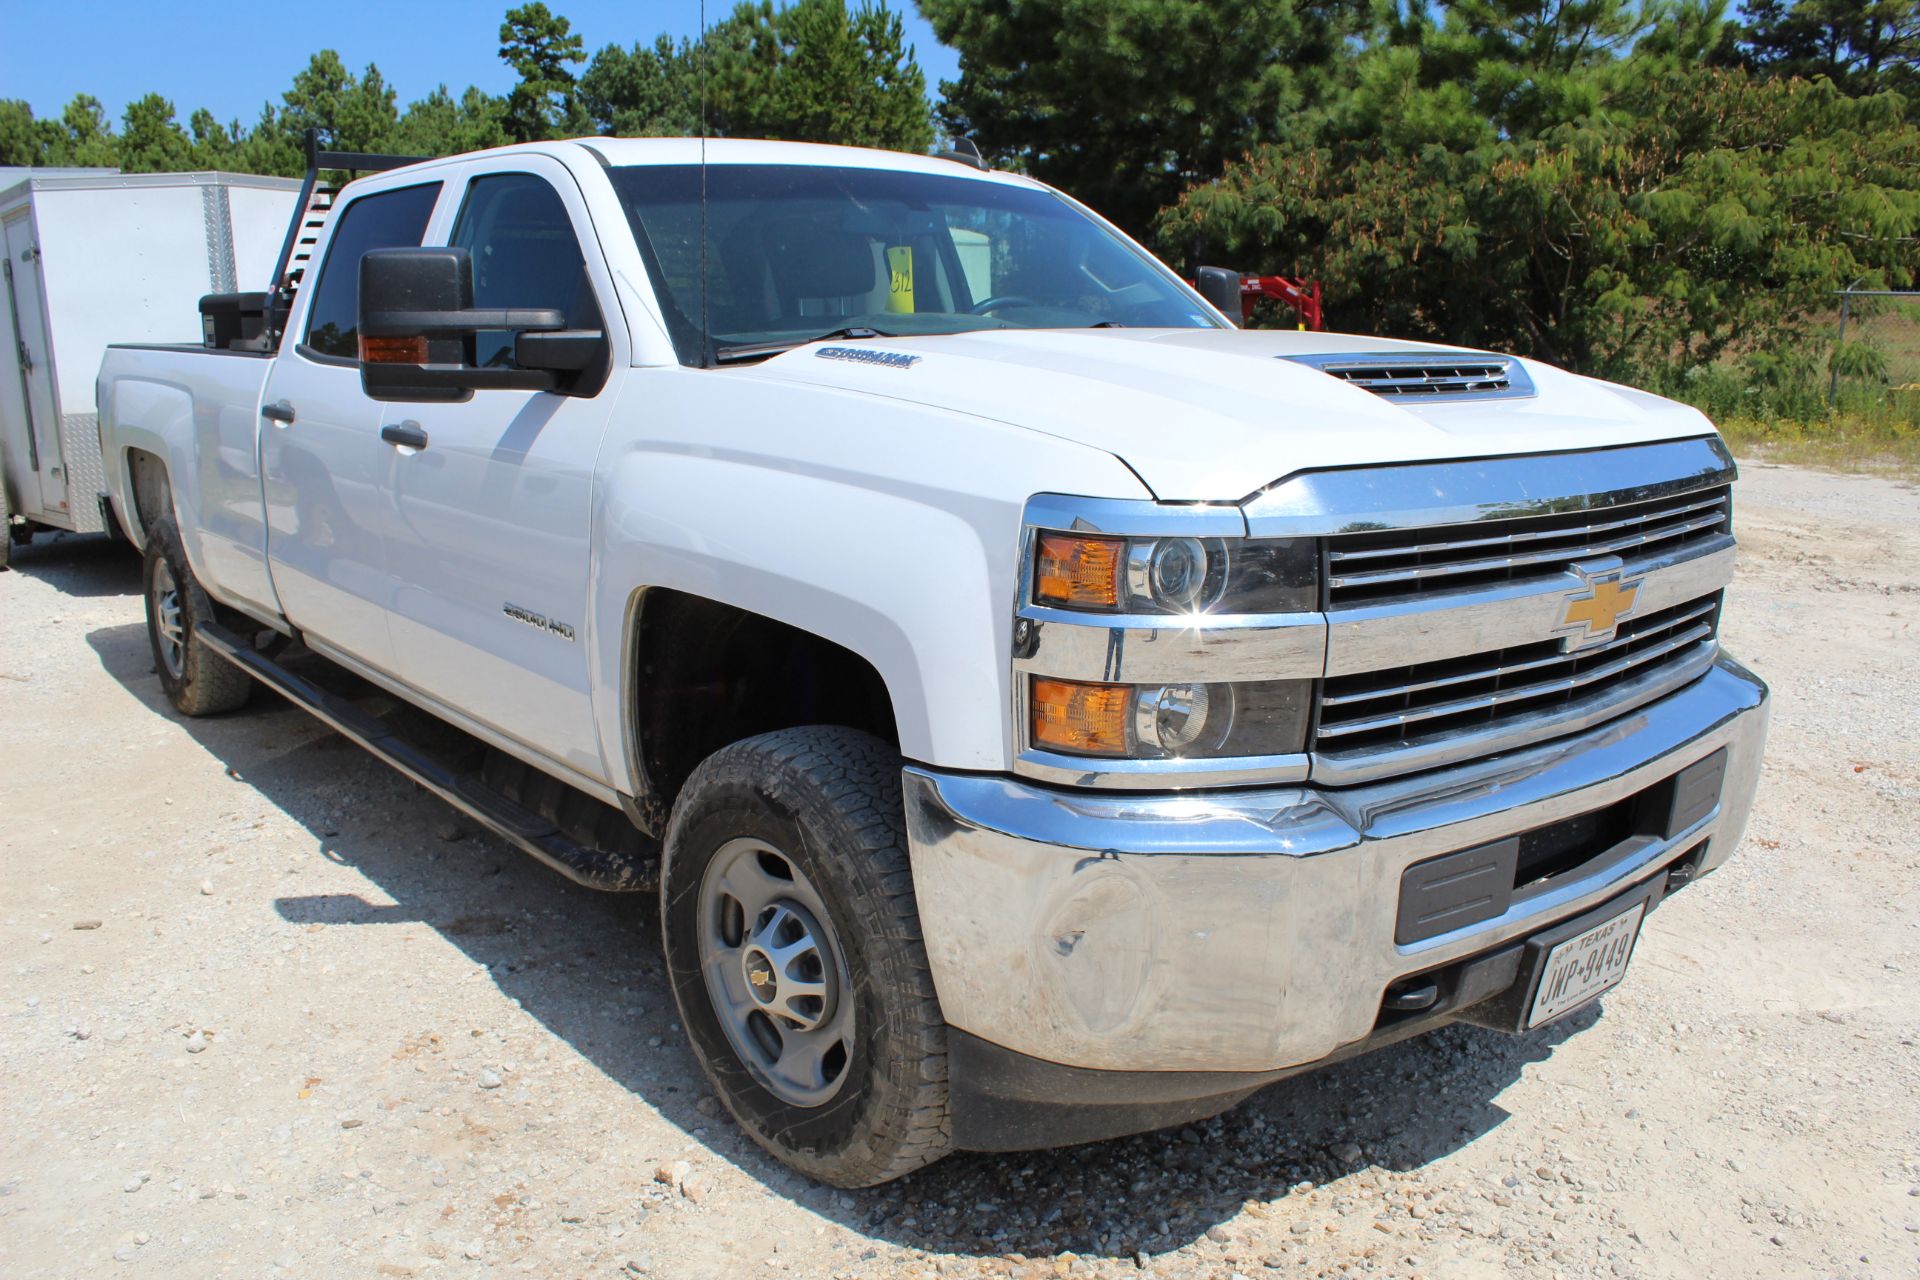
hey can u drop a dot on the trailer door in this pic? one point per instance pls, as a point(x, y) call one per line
point(32, 442)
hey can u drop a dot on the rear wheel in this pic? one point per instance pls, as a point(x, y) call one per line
point(794, 948)
point(197, 680)
point(6, 526)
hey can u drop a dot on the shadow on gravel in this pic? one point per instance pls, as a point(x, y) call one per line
point(581, 963)
point(81, 564)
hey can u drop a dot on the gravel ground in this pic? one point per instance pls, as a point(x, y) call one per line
point(269, 1009)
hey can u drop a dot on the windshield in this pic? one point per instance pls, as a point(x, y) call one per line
point(795, 252)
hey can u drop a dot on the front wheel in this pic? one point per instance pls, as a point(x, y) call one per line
point(794, 947)
point(196, 679)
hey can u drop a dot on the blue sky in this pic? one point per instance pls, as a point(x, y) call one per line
point(231, 58)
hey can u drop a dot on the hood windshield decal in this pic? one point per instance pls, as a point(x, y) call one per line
point(866, 355)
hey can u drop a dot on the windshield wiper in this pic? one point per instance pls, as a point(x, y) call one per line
point(758, 350)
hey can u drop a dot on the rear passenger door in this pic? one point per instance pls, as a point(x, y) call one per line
point(492, 552)
point(326, 475)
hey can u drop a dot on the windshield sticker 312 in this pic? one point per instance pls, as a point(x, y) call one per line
point(860, 355)
point(900, 278)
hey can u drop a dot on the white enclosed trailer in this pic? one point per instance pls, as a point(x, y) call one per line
point(97, 256)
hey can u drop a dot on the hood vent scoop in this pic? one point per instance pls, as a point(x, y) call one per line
point(1426, 375)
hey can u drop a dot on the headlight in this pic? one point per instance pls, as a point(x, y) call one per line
point(1169, 721)
point(1177, 575)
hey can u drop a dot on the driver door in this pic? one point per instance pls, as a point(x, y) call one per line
point(492, 547)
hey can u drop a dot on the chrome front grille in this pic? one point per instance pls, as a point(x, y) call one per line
point(1373, 566)
point(1384, 710)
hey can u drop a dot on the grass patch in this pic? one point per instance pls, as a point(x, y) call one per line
point(1885, 444)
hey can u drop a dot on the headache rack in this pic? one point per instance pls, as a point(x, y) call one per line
point(255, 321)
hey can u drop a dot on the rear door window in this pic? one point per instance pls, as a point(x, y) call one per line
point(384, 220)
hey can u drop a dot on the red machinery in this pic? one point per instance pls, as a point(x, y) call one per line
point(1302, 295)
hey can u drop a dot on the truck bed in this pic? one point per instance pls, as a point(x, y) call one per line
point(170, 400)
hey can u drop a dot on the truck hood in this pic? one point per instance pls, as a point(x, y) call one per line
point(1214, 415)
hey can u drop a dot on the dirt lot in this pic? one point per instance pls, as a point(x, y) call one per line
point(269, 1010)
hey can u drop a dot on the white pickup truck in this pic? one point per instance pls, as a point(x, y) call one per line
point(1046, 711)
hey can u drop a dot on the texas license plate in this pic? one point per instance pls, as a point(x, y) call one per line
point(1584, 965)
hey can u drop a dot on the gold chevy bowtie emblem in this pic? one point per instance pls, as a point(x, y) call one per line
point(1594, 612)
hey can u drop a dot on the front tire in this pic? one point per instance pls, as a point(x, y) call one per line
point(196, 679)
point(794, 947)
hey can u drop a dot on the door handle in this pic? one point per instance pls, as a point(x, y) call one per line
point(279, 411)
point(406, 433)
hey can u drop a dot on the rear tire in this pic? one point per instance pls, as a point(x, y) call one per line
point(794, 947)
point(196, 679)
point(6, 527)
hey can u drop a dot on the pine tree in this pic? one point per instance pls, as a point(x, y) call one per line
point(540, 46)
point(152, 140)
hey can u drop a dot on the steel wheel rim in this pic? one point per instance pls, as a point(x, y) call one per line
point(776, 975)
point(169, 625)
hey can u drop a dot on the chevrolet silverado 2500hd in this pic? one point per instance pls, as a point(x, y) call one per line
point(1045, 711)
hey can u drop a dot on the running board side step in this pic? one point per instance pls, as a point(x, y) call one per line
point(602, 869)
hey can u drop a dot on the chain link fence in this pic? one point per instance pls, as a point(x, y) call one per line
point(1876, 345)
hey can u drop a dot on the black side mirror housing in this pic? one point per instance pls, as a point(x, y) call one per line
point(417, 324)
point(1221, 287)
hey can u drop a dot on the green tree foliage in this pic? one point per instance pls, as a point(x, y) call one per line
point(153, 141)
point(1125, 103)
point(541, 47)
point(811, 71)
point(1863, 46)
point(648, 91)
point(348, 113)
point(21, 138)
point(83, 137)
point(815, 71)
point(439, 124)
point(1696, 215)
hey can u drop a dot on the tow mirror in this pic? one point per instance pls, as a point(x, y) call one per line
point(1221, 287)
point(417, 324)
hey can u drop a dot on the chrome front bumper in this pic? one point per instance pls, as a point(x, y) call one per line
point(1254, 930)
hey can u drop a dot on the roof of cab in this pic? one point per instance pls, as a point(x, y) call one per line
point(730, 151)
point(757, 151)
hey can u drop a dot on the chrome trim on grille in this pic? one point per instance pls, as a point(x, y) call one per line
point(1398, 633)
point(1426, 375)
point(1338, 769)
point(1425, 574)
point(1441, 493)
point(1420, 686)
point(1505, 539)
point(1520, 693)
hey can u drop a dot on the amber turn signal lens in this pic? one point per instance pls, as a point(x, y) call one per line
point(393, 350)
point(1083, 572)
point(1086, 719)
